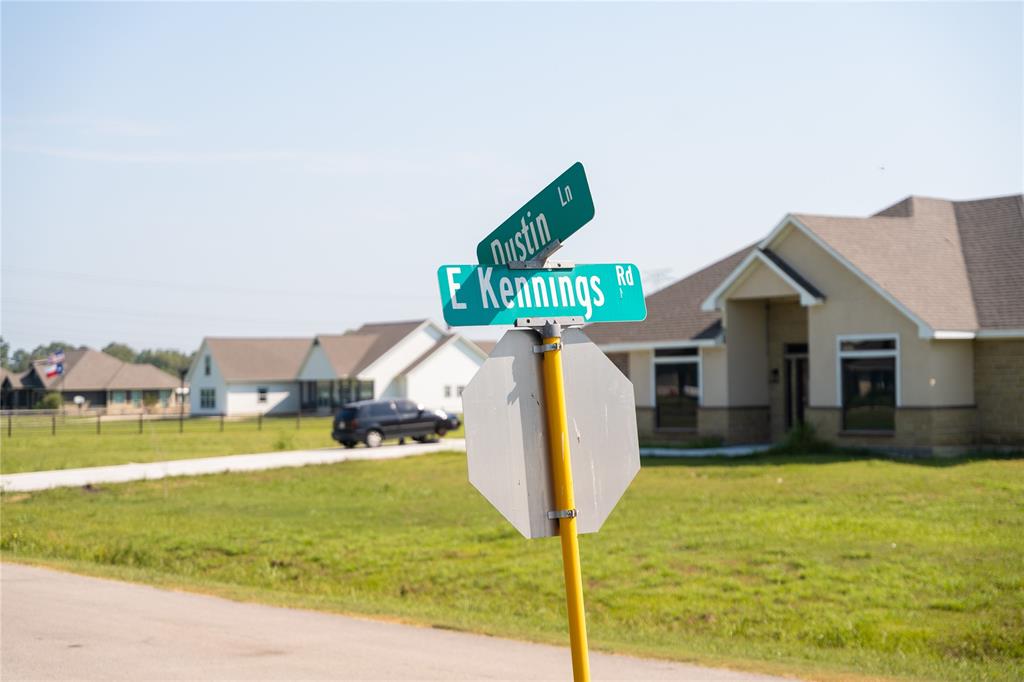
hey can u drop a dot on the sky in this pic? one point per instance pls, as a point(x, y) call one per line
point(173, 171)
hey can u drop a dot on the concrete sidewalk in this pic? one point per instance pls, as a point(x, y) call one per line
point(123, 473)
point(723, 451)
point(60, 626)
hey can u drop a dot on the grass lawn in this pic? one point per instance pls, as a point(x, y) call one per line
point(823, 567)
point(31, 447)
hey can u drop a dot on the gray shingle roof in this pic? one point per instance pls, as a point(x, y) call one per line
point(387, 335)
point(86, 369)
point(957, 265)
point(992, 235)
point(348, 353)
point(259, 359)
point(673, 313)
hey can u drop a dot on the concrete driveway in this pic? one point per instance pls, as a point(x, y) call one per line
point(60, 626)
point(123, 473)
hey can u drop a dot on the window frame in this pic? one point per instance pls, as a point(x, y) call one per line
point(207, 364)
point(696, 359)
point(261, 395)
point(893, 352)
point(203, 393)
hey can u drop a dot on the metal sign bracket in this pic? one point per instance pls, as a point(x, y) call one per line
point(541, 262)
point(562, 514)
point(539, 323)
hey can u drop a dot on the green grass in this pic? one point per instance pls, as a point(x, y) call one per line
point(31, 447)
point(823, 567)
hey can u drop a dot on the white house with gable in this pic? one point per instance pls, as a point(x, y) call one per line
point(417, 360)
point(245, 376)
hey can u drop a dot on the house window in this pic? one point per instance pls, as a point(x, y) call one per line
point(676, 388)
point(165, 398)
point(868, 391)
point(118, 397)
point(136, 397)
point(261, 395)
point(206, 365)
point(460, 390)
point(447, 391)
point(366, 390)
point(207, 398)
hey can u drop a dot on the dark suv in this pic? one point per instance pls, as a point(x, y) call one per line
point(371, 421)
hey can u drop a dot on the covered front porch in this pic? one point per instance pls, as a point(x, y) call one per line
point(758, 387)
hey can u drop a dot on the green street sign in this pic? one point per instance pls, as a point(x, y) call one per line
point(493, 294)
point(556, 212)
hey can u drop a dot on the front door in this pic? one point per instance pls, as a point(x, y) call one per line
point(796, 389)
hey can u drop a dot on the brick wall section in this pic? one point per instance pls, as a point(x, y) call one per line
point(919, 431)
point(999, 391)
point(735, 424)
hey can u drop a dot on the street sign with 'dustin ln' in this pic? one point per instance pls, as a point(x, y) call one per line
point(507, 440)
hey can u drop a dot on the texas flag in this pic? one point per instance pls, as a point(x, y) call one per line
point(56, 364)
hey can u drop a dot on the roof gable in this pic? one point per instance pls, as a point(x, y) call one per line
point(760, 263)
point(674, 314)
point(917, 260)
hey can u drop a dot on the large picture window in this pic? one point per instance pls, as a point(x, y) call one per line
point(676, 388)
point(207, 398)
point(868, 373)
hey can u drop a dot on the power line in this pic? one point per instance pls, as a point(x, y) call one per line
point(107, 280)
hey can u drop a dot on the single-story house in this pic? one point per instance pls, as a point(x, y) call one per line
point(101, 380)
point(12, 397)
point(418, 360)
point(902, 331)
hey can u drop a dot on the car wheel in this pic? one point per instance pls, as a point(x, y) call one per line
point(441, 430)
point(349, 444)
point(374, 438)
point(420, 439)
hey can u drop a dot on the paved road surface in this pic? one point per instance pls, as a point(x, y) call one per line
point(60, 626)
point(122, 473)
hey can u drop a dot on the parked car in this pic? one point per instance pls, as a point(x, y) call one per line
point(371, 421)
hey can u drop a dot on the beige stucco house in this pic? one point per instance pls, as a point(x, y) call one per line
point(902, 331)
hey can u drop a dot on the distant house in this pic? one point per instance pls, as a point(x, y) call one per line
point(903, 331)
point(100, 380)
point(234, 376)
point(418, 360)
point(11, 395)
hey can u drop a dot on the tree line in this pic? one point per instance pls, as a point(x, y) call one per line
point(169, 360)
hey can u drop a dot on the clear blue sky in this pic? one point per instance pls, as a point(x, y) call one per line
point(178, 170)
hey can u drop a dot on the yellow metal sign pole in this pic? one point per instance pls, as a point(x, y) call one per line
point(565, 500)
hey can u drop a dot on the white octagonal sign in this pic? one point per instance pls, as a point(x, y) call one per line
point(506, 432)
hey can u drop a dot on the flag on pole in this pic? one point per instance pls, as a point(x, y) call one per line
point(56, 364)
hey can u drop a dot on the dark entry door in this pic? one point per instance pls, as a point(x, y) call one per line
point(796, 389)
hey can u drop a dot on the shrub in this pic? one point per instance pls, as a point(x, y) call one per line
point(802, 439)
point(50, 401)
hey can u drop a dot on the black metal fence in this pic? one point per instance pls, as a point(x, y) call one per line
point(37, 422)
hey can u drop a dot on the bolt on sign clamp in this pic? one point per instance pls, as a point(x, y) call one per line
point(562, 514)
point(547, 347)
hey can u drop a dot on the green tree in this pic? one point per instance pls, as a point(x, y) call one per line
point(5, 352)
point(171, 361)
point(22, 360)
point(50, 401)
point(121, 351)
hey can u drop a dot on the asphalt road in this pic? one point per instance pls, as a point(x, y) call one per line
point(60, 626)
